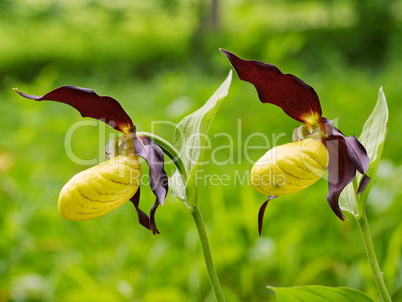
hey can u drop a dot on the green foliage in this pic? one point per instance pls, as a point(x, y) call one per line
point(190, 139)
point(319, 294)
point(142, 55)
point(373, 139)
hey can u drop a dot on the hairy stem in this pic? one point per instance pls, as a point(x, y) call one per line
point(372, 258)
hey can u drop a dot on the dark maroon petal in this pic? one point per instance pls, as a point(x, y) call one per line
point(340, 171)
point(327, 126)
point(143, 218)
point(89, 104)
point(153, 155)
point(363, 183)
point(152, 222)
point(261, 213)
point(356, 152)
point(295, 97)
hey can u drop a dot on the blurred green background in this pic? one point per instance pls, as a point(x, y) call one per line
point(160, 59)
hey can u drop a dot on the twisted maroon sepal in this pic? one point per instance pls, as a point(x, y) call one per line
point(346, 156)
point(158, 179)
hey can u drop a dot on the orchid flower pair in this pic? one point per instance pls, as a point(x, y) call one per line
point(317, 146)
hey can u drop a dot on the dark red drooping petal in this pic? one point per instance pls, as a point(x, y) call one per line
point(346, 156)
point(359, 158)
point(143, 218)
point(363, 183)
point(295, 97)
point(89, 104)
point(153, 154)
point(356, 153)
point(340, 171)
point(261, 213)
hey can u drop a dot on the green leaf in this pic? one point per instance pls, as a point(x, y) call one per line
point(191, 135)
point(177, 186)
point(191, 132)
point(347, 199)
point(314, 293)
point(373, 139)
point(375, 131)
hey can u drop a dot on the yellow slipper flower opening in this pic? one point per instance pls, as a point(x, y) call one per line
point(295, 166)
point(106, 186)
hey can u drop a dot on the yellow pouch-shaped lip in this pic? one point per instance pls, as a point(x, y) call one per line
point(101, 189)
point(289, 168)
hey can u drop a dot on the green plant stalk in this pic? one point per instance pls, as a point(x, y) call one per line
point(209, 263)
point(372, 258)
point(192, 199)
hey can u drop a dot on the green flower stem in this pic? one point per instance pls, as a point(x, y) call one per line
point(209, 263)
point(369, 247)
point(195, 211)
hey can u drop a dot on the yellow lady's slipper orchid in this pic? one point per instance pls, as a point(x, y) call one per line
point(290, 168)
point(345, 154)
point(103, 188)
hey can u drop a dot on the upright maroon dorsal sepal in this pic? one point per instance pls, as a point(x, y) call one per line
point(89, 104)
point(290, 93)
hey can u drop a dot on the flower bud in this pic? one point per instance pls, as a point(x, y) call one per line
point(290, 168)
point(100, 189)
